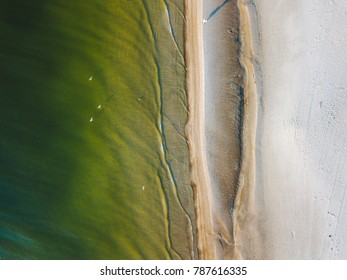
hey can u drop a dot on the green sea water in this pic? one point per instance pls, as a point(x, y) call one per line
point(93, 158)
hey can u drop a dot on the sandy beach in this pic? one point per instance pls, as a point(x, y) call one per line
point(301, 156)
point(216, 109)
point(268, 158)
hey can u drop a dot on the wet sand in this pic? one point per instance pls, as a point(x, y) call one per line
point(217, 102)
point(195, 130)
point(223, 115)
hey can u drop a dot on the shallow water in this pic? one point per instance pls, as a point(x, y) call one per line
point(88, 168)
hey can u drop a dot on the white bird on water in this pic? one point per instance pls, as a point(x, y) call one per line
point(143, 188)
point(91, 119)
point(91, 78)
point(99, 107)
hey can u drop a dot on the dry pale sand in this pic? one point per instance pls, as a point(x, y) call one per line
point(301, 152)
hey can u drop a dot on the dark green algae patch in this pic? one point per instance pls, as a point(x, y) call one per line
point(93, 157)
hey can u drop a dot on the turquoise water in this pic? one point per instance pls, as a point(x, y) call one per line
point(88, 168)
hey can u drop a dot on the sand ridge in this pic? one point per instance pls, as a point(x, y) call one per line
point(195, 129)
point(246, 232)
